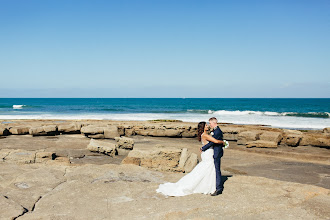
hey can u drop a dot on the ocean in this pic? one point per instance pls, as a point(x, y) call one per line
point(275, 112)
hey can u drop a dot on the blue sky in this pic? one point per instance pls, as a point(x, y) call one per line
point(165, 48)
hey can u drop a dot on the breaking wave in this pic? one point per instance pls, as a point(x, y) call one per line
point(267, 113)
point(18, 106)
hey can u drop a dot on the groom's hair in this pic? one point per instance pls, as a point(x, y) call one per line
point(214, 119)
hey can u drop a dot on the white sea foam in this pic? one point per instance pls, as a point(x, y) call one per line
point(18, 106)
point(236, 117)
point(224, 112)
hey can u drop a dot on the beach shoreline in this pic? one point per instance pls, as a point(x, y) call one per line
point(303, 114)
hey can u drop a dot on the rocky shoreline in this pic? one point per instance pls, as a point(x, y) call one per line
point(249, 135)
point(92, 169)
point(158, 157)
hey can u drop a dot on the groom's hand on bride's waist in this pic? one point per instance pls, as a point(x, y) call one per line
point(201, 150)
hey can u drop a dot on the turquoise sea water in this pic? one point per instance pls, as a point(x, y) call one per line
point(285, 113)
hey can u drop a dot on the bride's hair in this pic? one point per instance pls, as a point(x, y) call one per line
point(201, 126)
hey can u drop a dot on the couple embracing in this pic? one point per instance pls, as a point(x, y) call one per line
point(206, 176)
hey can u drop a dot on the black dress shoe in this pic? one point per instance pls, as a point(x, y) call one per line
point(217, 192)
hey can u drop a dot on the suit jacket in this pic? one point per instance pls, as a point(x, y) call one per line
point(218, 151)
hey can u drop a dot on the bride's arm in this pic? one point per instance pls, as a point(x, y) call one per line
point(212, 139)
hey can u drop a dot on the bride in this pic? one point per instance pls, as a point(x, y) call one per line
point(202, 178)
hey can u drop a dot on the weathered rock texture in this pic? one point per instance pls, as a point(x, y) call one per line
point(92, 129)
point(9, 209)
point(34, 185)
point(163, 158)
point(43, 130)
point(73, 128)
point(231, 133)
point(19, 156)
point(275, 137)
point(129, 192)
point(19, 130)
point(291, 137)
point(103, 147)
point(187, 160)
point(105, 129)
point(315, 140)
point(124, 145)
point(159, 158)
point(247, 136)
point(261, 144)
point(111, 132)
point(166, 130)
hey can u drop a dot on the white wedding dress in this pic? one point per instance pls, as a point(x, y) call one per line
point(200, 180)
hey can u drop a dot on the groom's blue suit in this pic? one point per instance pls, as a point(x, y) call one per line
point(218, 153)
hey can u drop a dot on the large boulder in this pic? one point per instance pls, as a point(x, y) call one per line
point(231, 133)
point(103, 147)
point(165, 133)
point(324, 142)
point(183, 158)
point(187, 161)
point(111, 131)
point(19, 130)
point(315, 140)
point(326, 130)
point(189, 133)
point(50, 128)
point(73, 128)
point(92, 129)
point(248, 136)
point(125, 143)
point(129, 132)
point(261, 144)
point(191, 163)
point(43, 130)
point(158, 158)
point(291, 137)
point(121, 130)
point(271, 136)
point(142, 131)
point(36, 131)
point(230, 136)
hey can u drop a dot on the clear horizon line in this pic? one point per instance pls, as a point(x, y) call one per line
point(164, 98)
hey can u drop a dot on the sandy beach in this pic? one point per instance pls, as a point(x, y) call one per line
point(51, 173)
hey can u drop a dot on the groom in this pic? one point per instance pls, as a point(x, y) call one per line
point(218, 153)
